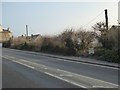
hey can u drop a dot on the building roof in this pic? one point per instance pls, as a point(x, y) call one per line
point(115, 27)
point(5, 30)
point(33, 37)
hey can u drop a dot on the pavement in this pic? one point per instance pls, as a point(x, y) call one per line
point(38, 70)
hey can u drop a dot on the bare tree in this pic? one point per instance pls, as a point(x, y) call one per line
point(86, 38)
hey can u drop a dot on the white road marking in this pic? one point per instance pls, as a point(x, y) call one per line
point(23, 60)
point(6, 58)
point(87, 77)
point(101, 87)
point(23, 64)
point(68, 75)
point(45, 68)
point(9, 56)
point(32, 62)
point(65, 80)
point(63, 71)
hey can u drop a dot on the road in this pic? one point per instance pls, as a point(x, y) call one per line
point(27, 70)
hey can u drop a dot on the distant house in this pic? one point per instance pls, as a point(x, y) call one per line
point(5, 34)
point(36, 40)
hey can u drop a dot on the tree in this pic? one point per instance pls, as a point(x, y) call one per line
point(101, 27)
point(86, 38)
point(68, 39)
point(113, 36)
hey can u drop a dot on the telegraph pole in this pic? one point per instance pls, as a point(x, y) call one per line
point(106, 18)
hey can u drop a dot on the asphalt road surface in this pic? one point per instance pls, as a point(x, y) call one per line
point(25, 70)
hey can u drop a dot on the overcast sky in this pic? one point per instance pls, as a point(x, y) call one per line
point(54, 17)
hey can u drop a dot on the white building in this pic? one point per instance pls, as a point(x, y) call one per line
point(5, 34)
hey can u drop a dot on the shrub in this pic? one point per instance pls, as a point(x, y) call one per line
point(107, 55)
point(26, 46)
point(70, 47)
point(111, 56)
point(6, 44)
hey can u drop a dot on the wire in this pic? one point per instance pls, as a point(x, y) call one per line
point(93, 19)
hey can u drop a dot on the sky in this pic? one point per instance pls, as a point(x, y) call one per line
point(51, 18)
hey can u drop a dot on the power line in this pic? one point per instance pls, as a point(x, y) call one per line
point(93, 19)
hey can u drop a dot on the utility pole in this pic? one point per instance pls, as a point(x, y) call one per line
point(26, 30)
point(106, 18)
